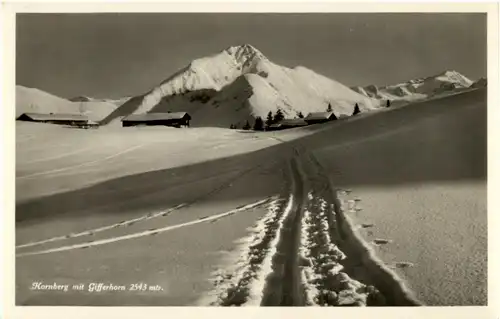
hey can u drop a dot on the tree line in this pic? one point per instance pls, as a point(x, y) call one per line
point(260, 124)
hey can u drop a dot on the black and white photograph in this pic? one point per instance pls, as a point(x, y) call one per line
point(213, 159)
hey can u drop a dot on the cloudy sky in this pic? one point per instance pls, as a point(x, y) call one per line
point(113, 55)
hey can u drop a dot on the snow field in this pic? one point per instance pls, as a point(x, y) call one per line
point(149, 232)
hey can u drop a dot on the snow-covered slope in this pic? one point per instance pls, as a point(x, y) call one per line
point(83, 98)
point(240, 83)
point(38, 101)
point(422, 88)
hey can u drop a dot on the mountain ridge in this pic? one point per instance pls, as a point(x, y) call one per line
point(243, 77)
point(240, 83)
point(419, 88)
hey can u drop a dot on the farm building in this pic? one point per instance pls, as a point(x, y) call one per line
point(177, 119)
point(287, 123)
point(68, 119)
point(320, 117)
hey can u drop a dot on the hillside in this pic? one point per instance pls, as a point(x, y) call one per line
point(416, 89)
point(239, 84)
point(38, 101)
point(116, 102)
point(481, 83)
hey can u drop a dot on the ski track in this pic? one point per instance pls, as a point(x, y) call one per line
point(45, 159)
point(266, 268)
point(63, 169)
point(282, 278)
point(388, 289)
point(145, 233)
point(25, 138)
point(261, 274)
point(244, 282)
point(241, 283)
point(324, 281)
point(303, 264)
point(90, 232)
point(103, 228)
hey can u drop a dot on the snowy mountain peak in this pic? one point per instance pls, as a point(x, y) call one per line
point(420, 88)
point(213, 72)
point(450, 72)
point(239, 83)
point(244, 52)
point(454, 77)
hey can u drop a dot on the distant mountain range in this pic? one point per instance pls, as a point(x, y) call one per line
point(416, 89)
point(239, 84)
point(83, 98)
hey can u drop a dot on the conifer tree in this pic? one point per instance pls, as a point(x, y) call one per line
point(279, 116)
point(259, 124)
point(247, 126)
point(356, 109)
point(269, 120)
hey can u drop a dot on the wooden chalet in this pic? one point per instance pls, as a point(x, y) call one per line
point(320, 117)
point(176, 119)
point(55, 118)
point(287, 123)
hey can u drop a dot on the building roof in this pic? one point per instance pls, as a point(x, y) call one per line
point(55, 117)
point(155, 116)
point(319, 116)
point(290, 122)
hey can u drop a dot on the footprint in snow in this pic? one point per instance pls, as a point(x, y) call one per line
point(403, 264)
point(380, 241)
point(351, 205)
